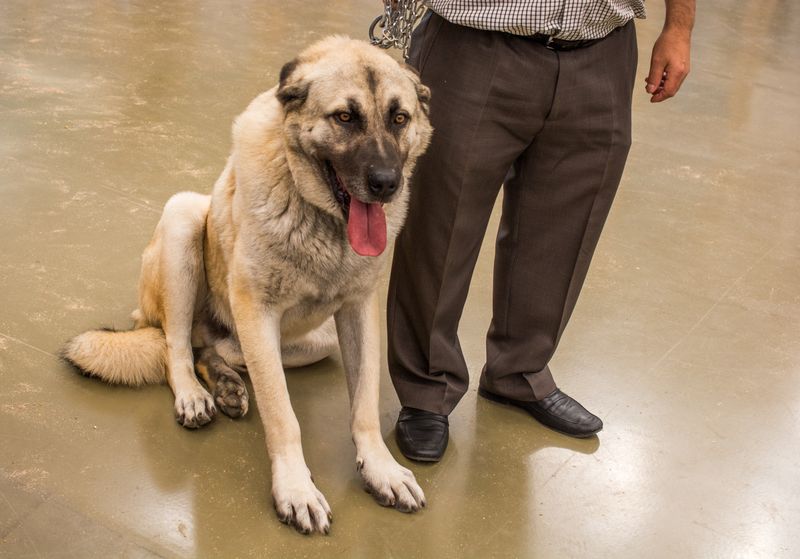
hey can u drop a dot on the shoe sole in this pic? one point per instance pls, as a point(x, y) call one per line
point(508, 402)
point(427, 459)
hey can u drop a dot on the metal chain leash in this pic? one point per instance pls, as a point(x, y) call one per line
point(396, 22)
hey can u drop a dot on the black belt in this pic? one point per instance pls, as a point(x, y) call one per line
point(559, 44)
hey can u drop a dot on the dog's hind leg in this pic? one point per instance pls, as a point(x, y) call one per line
point(225, 384)
point(176, 281)
point(310, 348)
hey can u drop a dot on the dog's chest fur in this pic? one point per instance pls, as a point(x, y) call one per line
point(303, 263)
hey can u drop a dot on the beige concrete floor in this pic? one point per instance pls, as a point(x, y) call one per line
point(685, 340)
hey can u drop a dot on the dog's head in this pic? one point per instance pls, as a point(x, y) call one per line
point(355, 123)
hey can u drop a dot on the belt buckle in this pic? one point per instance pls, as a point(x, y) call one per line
point(548, 44)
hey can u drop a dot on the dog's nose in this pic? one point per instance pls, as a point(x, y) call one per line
point(383, 182)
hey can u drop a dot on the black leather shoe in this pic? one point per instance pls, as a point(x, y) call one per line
point(557, 411)
point(422, 435)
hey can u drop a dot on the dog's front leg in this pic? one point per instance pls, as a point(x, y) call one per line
point(358, 326)
point(297, 500)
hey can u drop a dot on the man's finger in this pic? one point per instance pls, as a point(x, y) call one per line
point(673, 79)
point(655, 76)
point(658, 96)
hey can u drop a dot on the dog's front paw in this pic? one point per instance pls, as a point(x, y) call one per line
point(299, 503)
point(230, 394)
point(391, 484)
point(194, 408)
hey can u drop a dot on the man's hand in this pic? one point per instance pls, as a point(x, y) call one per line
point(669, 63)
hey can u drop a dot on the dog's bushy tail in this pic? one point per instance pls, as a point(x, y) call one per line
point(133, 357)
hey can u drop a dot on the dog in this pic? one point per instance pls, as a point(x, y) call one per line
point(280, 264)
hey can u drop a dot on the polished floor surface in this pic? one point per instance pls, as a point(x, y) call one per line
point(686, 339)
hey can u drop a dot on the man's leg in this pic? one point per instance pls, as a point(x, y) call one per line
point(490, 95)
point(553, 212)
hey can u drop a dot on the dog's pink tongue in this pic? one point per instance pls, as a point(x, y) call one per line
point(366, 228)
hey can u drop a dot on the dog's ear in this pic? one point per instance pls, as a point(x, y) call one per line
point(291, 92)
point(423, 91)
point(424, 96)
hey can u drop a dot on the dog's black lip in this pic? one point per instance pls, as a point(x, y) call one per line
point(338, 190)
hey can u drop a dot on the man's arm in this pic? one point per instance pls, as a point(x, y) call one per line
point(669, 63)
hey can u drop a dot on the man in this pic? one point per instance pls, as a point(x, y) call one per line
point(544, 89)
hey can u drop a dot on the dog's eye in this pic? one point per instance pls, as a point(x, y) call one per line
point(400, 119)
point(344, 116)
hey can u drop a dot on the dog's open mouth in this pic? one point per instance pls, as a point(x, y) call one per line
point(366, 222)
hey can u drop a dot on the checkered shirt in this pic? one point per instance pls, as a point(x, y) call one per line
point(569, 20)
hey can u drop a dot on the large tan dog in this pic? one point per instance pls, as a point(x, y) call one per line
point(284, 255)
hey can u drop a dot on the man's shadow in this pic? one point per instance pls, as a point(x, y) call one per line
point(485, 487)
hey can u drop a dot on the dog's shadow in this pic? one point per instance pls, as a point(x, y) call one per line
point(223, 471)
point(497, 460)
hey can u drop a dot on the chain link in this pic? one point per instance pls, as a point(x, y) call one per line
point(396, 23)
